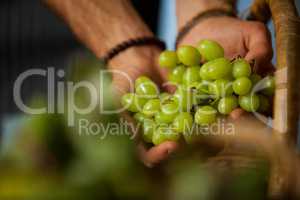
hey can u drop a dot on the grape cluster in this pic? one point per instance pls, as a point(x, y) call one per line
point(208, 85)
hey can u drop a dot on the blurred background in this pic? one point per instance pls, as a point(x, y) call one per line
point(41, 157)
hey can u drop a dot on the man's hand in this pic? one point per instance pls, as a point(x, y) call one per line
point(250, 40)
point(239, 38)
point(127, 67)
point(100, 26)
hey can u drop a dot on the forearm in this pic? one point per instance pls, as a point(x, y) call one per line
point(187, 9)
point(100, 25)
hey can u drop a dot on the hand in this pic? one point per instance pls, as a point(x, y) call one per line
point(128, 66)
point(248, 39)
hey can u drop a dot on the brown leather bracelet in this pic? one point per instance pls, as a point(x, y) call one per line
point(200, 17)
point(130, 43)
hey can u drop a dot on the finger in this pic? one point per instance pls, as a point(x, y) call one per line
point(237, 113)
point(158, 153)
point(154, 155)
point(258, 43)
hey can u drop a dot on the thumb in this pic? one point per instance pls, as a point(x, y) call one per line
point(259, 46)
point(157, 154)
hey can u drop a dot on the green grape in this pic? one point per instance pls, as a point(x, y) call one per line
point(140, 80)
point(188, 55)
point(168, 59)
point(203, 87)
point(162, 118)
point(268, 86)
point(170, 108)
point(227, 104)
point(183, 122)
point(219, 68)
point(242, 86)
point(221, 88)
point(183, 97)
point(255, 78)
point(241, 68)
point(151, 107)
point(164, 133)
point(132, 102)
point(194, 85)
point(168, 113)
point(148, 129)
point(210, 50)
point(205, 115)
point(140, 117)
point(264, 104)
point(191, 75)
point(249, 102)
point(164, 97)
point(177, 73)
point(147, 89)
point(204, 73)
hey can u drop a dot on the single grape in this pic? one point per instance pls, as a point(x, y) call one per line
point(148, 130)
point(177, 74)
point(188, 55)
point(170, 108)
point(249, 103)
point(164, 133)
point(210, 50)
point(255, 78)
point(221, 88)
point(168, 113)
point(205, 115)
point(165, 97)
point(147, 89)
point(203, 87)
point(204, 73)
point(183, 97)
point(151, 107)
point(194, 85)
point(161, 118)
point(264, 104)
point(242, 86)
point(168, 59)
point(183, 122)
point(268, 86)
point(219, 68)
point(227, 104)
point(191, 75)
point(140, 80)
point(140, 117)
point(241, 68)
point(132, 102)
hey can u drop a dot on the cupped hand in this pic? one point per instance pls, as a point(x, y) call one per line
point(247, 39)
point(126, 68)
point(250, 40)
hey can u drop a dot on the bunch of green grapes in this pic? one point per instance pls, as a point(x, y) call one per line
point(208, 86)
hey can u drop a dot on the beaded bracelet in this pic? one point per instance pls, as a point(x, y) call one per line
point(200, 17)
point(130, 43)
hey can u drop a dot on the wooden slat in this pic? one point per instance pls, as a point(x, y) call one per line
point(287, 102)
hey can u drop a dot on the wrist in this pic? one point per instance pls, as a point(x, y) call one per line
point(199, 19)
point(187, 10)
point(94, 23)
point(206, 29)
point(135, 55)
